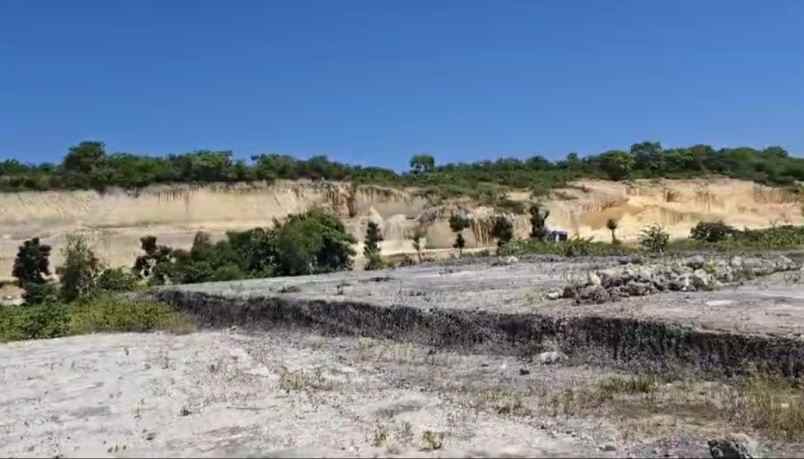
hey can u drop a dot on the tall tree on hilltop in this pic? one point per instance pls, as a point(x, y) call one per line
point(422, 164)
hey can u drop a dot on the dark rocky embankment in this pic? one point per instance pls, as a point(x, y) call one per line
point(636, 343)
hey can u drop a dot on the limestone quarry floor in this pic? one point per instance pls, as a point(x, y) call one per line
point(293, 392)
point(771, 306)
point(226, 393)
point(230, 394)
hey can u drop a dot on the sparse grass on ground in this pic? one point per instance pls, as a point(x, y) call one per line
point(772, 406)
point(104, 313)
point(300, 380)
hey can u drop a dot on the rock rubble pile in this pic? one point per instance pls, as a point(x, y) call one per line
point(687, 274)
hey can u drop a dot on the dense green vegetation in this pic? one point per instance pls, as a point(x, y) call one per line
point(92, 314)
point(86, 299)
point(574, 247)
point(716, 236)
point(311, 243)
point(89, 166)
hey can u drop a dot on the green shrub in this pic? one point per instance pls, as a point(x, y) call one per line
point(98, 314)
point(78, 274)
point(31, 268)
point(35, 293)
point(371, 248)
point(107, 313)
point(457, 224)
point(309, 243)
point(502, 230)
point(375, 262)
point(538, 218)
point(712, 231)
point(573, 247)
point(117, 280)
point(312, 243)
point(35, 321)
point(654, 239)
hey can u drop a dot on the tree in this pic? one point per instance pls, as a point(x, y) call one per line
point(538, 228)
point(32, 263)
point(654, 238)
point(419, 242)
point(85, 157)
point(611, 224)
point(422, 164)
point(503, 230)
point(372, 239)
point(616, 164)
point(156, 266)
point(649, 157)
point(31, 266)
point(80, 270)
point(459, 244)
point(371, 248)
point(458, 223)
point(311, 243)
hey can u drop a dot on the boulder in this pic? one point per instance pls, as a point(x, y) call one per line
point(549, 358)
point(735, 446)
point(553, 295)
point(696, 262)
point(594, 294)
point(593, 279)
point(702, 280)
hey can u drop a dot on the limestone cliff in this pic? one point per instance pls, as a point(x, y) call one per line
point(116, 219)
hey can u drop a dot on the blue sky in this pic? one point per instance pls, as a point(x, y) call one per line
point(373, 82)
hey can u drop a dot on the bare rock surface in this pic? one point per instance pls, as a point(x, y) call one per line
point(218, 394)
point(770, 303)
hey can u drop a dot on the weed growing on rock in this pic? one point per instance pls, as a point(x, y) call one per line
point(432, 440)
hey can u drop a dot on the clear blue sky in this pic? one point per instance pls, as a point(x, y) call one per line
point(373, 82)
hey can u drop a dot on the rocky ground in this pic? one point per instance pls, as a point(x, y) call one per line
point(367, 364)
point(294, 394)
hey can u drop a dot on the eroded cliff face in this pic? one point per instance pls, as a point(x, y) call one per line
point(115, 220)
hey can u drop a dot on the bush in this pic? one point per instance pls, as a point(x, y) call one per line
point(654, 239)
point(41, 293)
point(108, 313)
point(102, 313)
point(419, 242)
point(31, 266)
point(117, 280)
point(375, 262)
point(502, 230)
point(312, 243)
point(371, 248)
point(457, 224)
point(34, 321)
point(712, 231)
point(80, 269)
point(538, 218)
point(574, 247)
